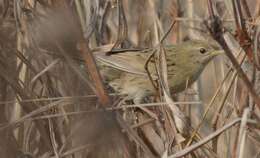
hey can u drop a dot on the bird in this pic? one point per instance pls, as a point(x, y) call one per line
point(126, 73)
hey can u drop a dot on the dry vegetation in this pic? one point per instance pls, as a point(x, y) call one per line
point(54, 103)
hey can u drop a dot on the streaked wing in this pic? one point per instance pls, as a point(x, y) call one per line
point(132, 62)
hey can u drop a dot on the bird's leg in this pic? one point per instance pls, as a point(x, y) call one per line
point(139, 99)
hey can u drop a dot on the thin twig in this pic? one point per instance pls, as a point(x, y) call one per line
point(242, 133)
point(216, 30)
point(205, 140)
point(56, 98)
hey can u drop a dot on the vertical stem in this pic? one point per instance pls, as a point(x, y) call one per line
point(94, 73)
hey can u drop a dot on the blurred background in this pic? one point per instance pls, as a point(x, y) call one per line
point(49, 106)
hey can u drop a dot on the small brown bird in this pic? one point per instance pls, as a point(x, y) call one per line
point(126, 73)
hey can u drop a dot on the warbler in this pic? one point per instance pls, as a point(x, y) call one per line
point(126, 72)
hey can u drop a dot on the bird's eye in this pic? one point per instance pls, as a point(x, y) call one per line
point(203, 50)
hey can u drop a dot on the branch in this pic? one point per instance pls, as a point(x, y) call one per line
point(215, 28)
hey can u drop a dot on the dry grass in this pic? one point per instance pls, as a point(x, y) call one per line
point(55, 104)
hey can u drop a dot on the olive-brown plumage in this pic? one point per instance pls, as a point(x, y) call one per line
point(126, 73)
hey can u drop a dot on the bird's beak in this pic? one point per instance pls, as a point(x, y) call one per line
point(217, 52)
